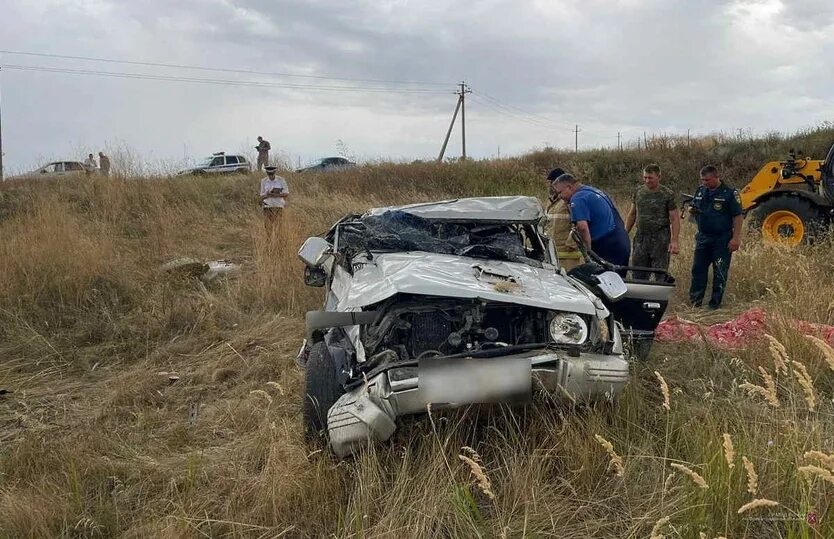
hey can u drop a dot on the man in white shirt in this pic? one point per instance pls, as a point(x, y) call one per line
point(274, 194)
point(90, 164)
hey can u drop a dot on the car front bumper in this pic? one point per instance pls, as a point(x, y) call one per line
point(368, 412)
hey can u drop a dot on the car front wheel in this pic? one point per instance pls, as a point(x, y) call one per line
point(322, 390)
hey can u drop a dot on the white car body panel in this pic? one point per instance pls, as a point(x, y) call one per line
point(225, 168)
point(460, 277)
point(55, 169)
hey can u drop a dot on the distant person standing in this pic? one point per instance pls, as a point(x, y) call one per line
point(263, 148)
point(90, 164)
point(559, 212)
point(717, 211)
point(104, 164)
point(596, 219)
point(655, 212)
point(274, 193)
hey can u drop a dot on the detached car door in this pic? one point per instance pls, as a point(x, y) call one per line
point(642, 307)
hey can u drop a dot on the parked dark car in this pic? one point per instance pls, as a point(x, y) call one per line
point(329, 164)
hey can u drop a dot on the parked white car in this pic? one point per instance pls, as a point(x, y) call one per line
point(55, 169)
point(457, 302)
point(220, 163)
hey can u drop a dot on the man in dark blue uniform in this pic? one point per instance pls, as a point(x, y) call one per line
point(596, 219)
point(717, 211)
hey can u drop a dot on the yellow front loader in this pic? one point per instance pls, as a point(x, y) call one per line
point(791, 201)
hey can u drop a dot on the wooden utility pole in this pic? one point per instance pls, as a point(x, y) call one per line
point(449, 132)
point(645, 141)
point(464, 89)
point(619, 146)
point(688, 140)
point(576, 139)
point(462, 92)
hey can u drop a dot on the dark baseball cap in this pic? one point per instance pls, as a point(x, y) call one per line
point(555, 173)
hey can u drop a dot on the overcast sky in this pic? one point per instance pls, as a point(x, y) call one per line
point(536, 68)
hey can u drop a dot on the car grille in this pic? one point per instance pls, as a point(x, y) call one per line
point(429, 331)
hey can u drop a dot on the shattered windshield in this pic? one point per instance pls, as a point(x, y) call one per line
point(399, 231)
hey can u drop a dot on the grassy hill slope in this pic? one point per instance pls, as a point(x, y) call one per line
point(98, 440)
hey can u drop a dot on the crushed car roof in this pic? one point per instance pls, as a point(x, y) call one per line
point(507, 208)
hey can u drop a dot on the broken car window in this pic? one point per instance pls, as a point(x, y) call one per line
point(399, 231)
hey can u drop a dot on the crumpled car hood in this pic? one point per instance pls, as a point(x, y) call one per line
point(456, 276)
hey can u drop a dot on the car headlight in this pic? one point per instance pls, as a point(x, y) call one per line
point(568, 328)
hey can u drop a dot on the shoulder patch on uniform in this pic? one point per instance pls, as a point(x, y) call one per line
point(737, 195)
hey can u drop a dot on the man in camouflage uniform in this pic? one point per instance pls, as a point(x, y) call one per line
point(655, 212)
point(559, 213)
point(263, 148)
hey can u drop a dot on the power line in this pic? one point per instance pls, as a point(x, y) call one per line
point(511, 114)
point(539, 119)
point(524, 112)
point(220, 70)
point(532, 120)
point(223, 82)
point(493, 108)
point(506, 112)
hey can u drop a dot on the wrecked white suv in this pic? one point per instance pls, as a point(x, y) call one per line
point(458, 302)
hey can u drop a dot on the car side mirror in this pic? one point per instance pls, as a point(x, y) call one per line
point(612, 285)
point(315, 252)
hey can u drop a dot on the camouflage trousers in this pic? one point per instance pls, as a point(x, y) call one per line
point(651, 250)
point(263, 160)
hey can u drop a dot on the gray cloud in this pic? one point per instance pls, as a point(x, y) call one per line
point(625, 65)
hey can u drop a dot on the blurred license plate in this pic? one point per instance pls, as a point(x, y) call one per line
point(468, 380)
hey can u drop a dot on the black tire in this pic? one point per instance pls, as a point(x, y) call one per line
point(322, 390)
point(242, 171)
point(812, 216)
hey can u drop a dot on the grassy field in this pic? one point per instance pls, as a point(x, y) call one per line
point(96, 440)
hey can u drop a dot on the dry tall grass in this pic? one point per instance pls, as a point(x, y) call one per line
point(145, 405)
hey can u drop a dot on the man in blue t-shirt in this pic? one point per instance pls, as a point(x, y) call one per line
point(596, 219)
